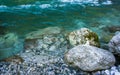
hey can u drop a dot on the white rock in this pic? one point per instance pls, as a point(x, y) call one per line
point(107, 72)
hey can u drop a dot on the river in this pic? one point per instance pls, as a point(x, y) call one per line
point(25, 16)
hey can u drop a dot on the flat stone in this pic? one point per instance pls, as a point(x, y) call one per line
point(39, 33)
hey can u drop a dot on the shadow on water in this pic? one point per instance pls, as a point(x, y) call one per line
point(3, 30)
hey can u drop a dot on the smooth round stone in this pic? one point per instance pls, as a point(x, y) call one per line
point(89, 58)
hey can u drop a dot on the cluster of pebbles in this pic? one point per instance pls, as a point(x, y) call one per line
point(58, 68)
point(31, 68)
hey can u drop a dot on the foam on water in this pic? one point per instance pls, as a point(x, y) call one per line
point(107, 2)
point(95, 2)
point(3, 8)
point(43, 6)
point(80, 1)
point(54, 4)
point(28, 6)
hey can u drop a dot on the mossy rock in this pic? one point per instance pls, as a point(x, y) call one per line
point(83, 36)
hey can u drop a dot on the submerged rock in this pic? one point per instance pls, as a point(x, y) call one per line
point(3, 30)
point(105, 37)
point(49, 39)
point(114, 44)
point(89, 58)
point(8, 40)
point(9, 45)
point(47, 31)
point(83, 36)
point(113, 29)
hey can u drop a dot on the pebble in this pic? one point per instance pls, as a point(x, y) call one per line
point(58, 68)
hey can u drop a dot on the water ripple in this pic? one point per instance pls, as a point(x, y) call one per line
point(37, 6)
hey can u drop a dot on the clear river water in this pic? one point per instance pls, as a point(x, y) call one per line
point(25, 16)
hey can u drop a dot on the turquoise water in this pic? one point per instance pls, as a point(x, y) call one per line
point(25, 16)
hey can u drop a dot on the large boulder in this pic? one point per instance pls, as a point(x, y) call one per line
point(114, 44)
point(83, 36)
point(89, 58)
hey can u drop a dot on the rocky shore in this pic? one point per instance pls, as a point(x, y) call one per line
point(53, 51)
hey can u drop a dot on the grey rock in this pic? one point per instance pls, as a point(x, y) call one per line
point(114, 44)
point(83, 36)
point(89, 58)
